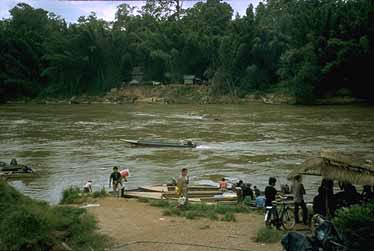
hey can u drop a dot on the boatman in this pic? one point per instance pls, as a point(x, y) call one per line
point(115, 179)
point(182, 188)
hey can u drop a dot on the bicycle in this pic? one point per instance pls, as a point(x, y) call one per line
point(283, 218)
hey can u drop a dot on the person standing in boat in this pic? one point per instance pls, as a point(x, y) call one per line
point(223, 185)
point(115, 179)
point(182, 187)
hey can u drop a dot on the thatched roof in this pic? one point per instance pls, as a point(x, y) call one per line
point(356, 169)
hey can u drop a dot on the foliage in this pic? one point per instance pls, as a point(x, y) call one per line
point(221, 212)
point(26, 224)
point(74, 195)
point(306, 48)
point(100, 194)
point(71, 195)
point(268, 235)
point(355, 225)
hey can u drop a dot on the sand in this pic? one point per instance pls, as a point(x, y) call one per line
point(138, 226)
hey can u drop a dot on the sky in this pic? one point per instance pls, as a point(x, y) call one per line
point(105, 9)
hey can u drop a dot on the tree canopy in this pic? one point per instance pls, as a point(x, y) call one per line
point(307, 48)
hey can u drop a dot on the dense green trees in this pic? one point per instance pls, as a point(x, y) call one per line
point(308, 48)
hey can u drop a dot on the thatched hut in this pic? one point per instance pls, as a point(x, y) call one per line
point(356, 169)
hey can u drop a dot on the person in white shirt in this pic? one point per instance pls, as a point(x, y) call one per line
point(87, 188)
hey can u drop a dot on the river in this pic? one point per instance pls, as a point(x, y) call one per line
point(70, 144)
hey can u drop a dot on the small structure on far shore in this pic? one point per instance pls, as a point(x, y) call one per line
point(191, 80)
point(137, 75)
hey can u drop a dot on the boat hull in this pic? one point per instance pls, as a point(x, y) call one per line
point(144, 143)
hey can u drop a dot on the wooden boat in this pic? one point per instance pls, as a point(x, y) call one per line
point(15, 171)
point(166, 188)
point(159, 143)
point(195, 194)
point(153, 196)
point(17, 174)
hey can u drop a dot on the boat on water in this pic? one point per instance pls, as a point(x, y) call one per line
point(207, 194)
point(17, 174)
point(160, 143)
point(15, 170)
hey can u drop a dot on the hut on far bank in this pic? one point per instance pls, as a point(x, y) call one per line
point(356, 169)
point(191, 80)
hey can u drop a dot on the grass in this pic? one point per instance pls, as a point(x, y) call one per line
point(73, 195)
point(268, 235)
point(27, 224)
point(220, 212)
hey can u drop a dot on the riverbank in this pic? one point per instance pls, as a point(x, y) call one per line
point(27, 224)
point(139, 226)
point(182, 94)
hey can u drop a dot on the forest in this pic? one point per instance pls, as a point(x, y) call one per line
point(305, 48)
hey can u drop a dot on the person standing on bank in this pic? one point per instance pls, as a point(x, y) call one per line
point(299, 191)
point(182, 187)
point(270, 192)
point(115, 179)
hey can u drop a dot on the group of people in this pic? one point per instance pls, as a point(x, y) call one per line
point(116, 180)
point(298, 191)
point(326, 202)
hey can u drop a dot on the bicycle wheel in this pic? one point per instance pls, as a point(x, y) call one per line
point(288, 219)
point(267, 219)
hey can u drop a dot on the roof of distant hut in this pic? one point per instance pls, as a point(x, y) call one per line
point(134, 82)
point(188, 77)
point(356, 169)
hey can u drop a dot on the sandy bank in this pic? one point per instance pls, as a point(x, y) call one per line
point(128, 221)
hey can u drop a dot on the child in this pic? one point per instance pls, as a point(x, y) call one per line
point(115, 179)
point(257, 191)
point(87, 188)
point(223, 185)
point(182, 187)
point(124, 174)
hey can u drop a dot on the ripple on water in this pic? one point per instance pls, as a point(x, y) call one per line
point(72, 144)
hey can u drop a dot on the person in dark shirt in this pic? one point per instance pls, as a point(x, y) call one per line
point(247, 190)
point(115, 179)
point(325, 202)
point(299, 191)
point(348, 196)
point(257, 191)
point(270, 192)
point(367, 194)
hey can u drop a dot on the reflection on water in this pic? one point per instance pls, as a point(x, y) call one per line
point(70, 144)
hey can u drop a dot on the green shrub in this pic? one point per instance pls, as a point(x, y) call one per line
point(201, 210)
point(26, 224)
point(228, 216)
point(100, 194)
point(23, 229)
point(268, 235)
point(356, 226)
point(71, 195)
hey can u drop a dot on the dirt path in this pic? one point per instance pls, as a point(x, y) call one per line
point(128, 221)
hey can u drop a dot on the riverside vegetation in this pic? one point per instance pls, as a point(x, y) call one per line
point(306, 49)
point(27, 224)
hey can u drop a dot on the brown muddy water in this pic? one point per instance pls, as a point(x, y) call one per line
point(69, 144)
